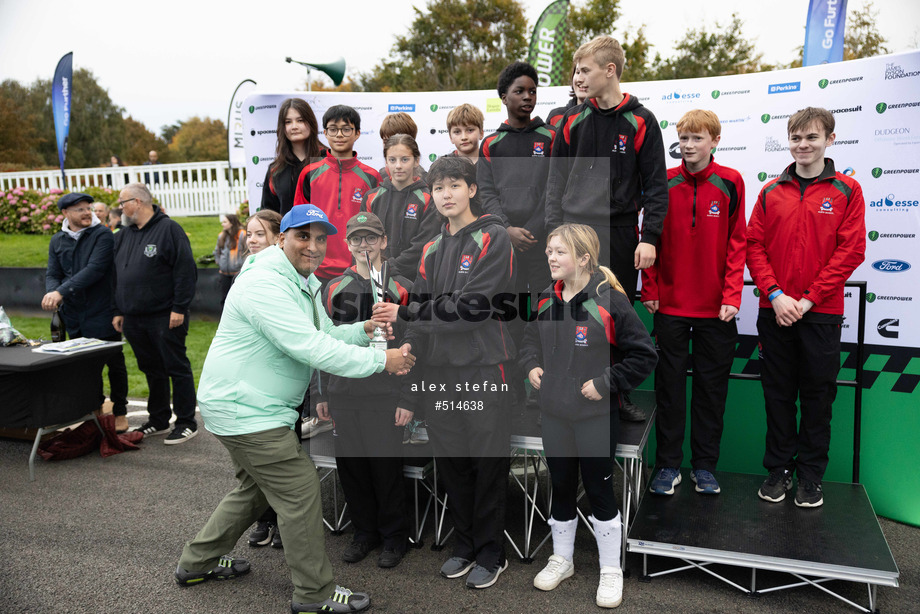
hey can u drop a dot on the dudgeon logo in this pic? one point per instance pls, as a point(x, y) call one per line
point(715, 94)
point(433, 108)
point(873, 235)
point(891, 266)
point(849, 171)
point(880, 107)
point(877, 172)
point(765, 118)
point(663, 123)
point(823, 83)
point(870, 297)
point(762, 176)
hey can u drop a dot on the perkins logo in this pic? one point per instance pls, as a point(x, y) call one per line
point(674, 151)
point(888, 328)
point(891, 266)
point(890, 202)
point(679, 96)
point(849, 171)
point(782, 88)
point(823, 83)
point(401, 108)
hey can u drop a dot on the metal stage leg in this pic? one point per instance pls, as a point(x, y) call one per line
point(50, 429)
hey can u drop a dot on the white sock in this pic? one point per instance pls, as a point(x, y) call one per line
point(564, 537)
point(609, 534)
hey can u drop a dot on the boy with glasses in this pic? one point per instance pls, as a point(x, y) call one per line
point(337, 184)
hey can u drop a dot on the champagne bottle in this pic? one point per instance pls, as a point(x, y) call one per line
point(58, 330)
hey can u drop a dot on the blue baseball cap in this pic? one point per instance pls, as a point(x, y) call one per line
point(301, 215)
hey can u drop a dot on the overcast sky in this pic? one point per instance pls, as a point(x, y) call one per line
point(168, 60)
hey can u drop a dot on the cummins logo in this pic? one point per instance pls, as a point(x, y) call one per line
point(674, 151)
point(888, 328)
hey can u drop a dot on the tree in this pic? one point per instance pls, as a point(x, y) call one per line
point(455, 45)
point(861, 39)
point(637, 50)
point(726, 51)
point(594, 18)
point(140, 141)
point(19, 142)
point(168, 132)
point(199, 140)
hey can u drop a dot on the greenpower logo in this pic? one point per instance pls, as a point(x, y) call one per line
point(252, 109)
point(433, 108)
point(762, 176)
point(765, 118)
point(255, 159)
point(823, 83)
point(663, 123)
point(873, 235)
point(432, 157)
point(876, 172)
point(756, 291)
point(870, 297)
point(881, 107)
point(716, 94)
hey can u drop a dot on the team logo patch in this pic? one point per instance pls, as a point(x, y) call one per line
point(581, 335)
point(356, 197)
point(537, 150)
point(411, 211)
point(465, 263)
point(714, 209)
point(150, 251)
point(362, 218)
point(827, 205)
point(621, 144)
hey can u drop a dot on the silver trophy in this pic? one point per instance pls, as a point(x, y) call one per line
point(378, 286)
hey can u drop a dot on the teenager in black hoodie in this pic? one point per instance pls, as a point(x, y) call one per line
point(585, 349)
point(298, 145)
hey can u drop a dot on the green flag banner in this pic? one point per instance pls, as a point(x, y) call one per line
point(545, 52)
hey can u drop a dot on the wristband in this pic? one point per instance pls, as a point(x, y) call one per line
point(774, 295)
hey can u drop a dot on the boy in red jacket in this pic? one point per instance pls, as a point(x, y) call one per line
point(337, 184)
point(694, 288)
point(806, 236)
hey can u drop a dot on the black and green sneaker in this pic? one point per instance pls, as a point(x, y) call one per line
point(227, 568)
point(342, 601)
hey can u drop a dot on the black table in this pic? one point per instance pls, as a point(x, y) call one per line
point(49, 391)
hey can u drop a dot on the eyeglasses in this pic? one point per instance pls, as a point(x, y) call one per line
point(333, 131)
point(355, 240)
point(121, 203)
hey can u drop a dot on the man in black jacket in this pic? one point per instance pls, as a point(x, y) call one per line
point(79, 283)
point(155, 279)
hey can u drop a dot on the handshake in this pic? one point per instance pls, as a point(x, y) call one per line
point(399, 360)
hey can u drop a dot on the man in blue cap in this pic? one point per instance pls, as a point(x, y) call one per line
point(272, 335)
point(78, 282)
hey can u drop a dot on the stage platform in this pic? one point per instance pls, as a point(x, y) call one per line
point(841, 540)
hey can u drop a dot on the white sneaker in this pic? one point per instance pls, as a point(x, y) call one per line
point(557, 570)
point(610, 588)
point(315, 426)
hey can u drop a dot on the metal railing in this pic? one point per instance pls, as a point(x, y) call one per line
point(190, 188)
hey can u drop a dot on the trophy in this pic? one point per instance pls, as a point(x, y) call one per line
point(378, 287)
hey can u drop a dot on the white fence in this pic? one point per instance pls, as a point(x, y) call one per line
point(192, 188)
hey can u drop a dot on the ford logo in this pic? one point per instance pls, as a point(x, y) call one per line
point(890, 266)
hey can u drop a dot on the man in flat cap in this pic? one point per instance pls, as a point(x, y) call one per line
point(79, 284)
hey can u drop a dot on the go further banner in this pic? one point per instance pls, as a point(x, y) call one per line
point(876, 103)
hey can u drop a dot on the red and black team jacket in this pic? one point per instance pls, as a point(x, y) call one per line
point(554, 117)
point(596, 336)
point(347, 299)
point(410, 219)
point(463, 290)
point(512, 171)
point(807, 244)
point(337, 187)
point(606, 166)
point(700, 264)
point(279, 188)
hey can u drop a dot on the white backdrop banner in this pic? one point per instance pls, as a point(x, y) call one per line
point(875, 101)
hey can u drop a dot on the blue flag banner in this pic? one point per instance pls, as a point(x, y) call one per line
point(824, 32)
point(60, 106)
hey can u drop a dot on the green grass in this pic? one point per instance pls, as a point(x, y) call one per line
point(32, 250)
point(197, 343)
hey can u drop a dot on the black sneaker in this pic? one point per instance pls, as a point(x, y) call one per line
point(390, 557)
point(342, 600)
point(262, 534)
point(456, 567)
point(630, 411)
point(227, 568)
point(357, 550)
point(180, 434)
point(149, 429)
point(809, 494)
point(481, 577)
point(276, 539)
point(775, 486)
